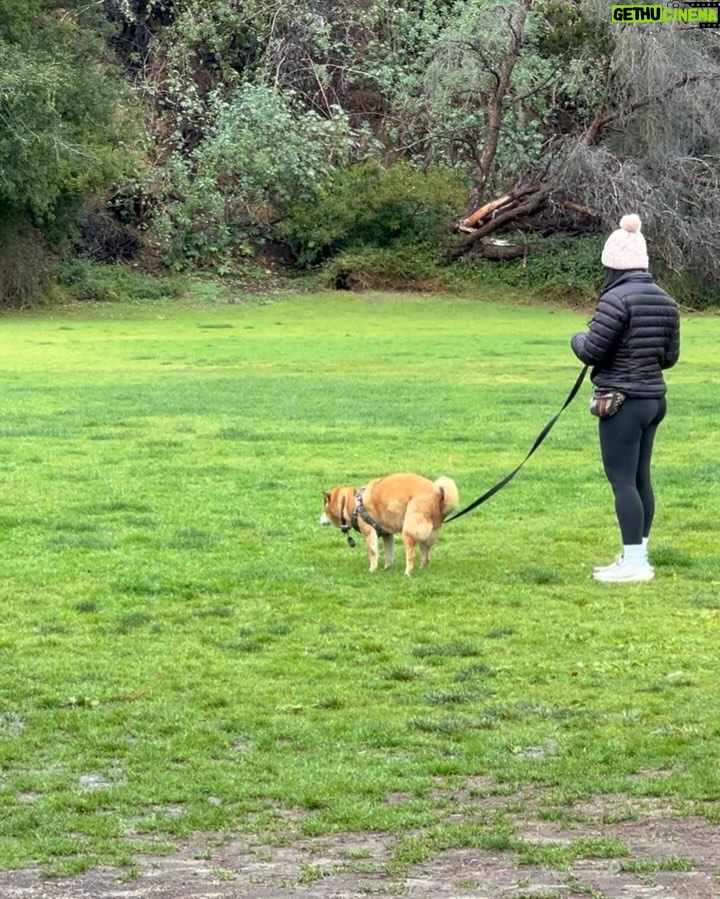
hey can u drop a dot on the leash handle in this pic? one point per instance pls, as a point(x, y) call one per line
point(538, 440)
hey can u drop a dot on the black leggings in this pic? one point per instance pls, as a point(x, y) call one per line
point(626, 444)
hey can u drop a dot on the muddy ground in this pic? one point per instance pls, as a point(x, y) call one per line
point(668, 857)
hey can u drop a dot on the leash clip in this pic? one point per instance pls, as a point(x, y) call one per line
point(350, 539)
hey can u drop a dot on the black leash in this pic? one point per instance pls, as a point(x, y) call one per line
point(539, 439)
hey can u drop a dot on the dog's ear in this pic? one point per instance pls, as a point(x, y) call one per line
point(326, 497)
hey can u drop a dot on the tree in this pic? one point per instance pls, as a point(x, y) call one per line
point(64, 132)
point(631, 124)
point(651, 143)
point(61, 133)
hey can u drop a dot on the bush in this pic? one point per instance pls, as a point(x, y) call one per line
point(369, 205)
point(689, 290)
point(25, 265)
point(89, 281)
point(385, 268)
point(566, 270)
point(262, 154)
point(555, 268)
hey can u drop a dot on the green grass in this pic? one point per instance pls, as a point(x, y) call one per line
point(185, 649)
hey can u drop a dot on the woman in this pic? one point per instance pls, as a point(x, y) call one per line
point(632, 338)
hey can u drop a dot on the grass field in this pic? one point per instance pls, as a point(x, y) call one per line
point(184, 648)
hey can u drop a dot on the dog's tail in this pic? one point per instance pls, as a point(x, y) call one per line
point(449, 496)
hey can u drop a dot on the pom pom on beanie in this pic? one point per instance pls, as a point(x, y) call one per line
point(630, 222)
point(625, 248)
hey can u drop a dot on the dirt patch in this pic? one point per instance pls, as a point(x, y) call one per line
point(665, 856)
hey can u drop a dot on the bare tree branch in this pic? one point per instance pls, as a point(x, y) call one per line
point(496, 102)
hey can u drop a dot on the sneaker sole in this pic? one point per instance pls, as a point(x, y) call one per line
point(631, 578)
point(600, 569)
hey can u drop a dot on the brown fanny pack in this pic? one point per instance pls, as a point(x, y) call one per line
point(605, 402)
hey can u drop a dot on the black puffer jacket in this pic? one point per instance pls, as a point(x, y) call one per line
point(633, 336)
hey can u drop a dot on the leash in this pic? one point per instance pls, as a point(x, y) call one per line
point(538, 440)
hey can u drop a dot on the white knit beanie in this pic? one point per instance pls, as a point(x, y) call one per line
point(625, 248)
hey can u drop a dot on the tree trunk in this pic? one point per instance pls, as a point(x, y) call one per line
point(496, 102)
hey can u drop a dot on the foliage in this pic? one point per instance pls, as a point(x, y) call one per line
point(25, 267)
point(689, 289)
point(64, 132)
point(429, 71)
point(560, 269)
point(60, 138)
point(255, 111)
point(568, 31)
point(81, 280)
point(398, 267)
point(369, 204)
point(651, 145)
point(262, 154)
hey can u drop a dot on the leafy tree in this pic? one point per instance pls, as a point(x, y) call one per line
point(60, 134)
point(64, 132)
point(262, 153)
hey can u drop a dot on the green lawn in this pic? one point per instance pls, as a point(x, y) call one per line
point(184, 648)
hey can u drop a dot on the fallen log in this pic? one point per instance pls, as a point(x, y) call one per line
point(582, 210)
point(498, 250)
point(502, 219)
point(472, 220)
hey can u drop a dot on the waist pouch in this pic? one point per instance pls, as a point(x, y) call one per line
point(605, 402)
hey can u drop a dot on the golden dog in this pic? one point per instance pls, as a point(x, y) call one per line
point(406, 504)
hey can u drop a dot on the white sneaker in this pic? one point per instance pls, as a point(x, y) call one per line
point(616, 561)
point(621, 572)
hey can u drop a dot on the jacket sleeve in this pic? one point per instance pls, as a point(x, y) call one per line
point(606, 326)
point(672, 347)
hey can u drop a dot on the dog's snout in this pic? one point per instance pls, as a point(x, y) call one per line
point(324, 519)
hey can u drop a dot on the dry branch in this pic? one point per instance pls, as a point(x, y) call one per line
point(526, 201)
point(583, 210)
point(472, 220)
point(601, 121)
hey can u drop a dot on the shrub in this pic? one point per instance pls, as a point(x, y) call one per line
point(400, 267)
point(566, 270)
point(261, 154)
point(90, 281)
point(689, 290)
point(25, 265)
point(367, 204)
point(557, 268)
